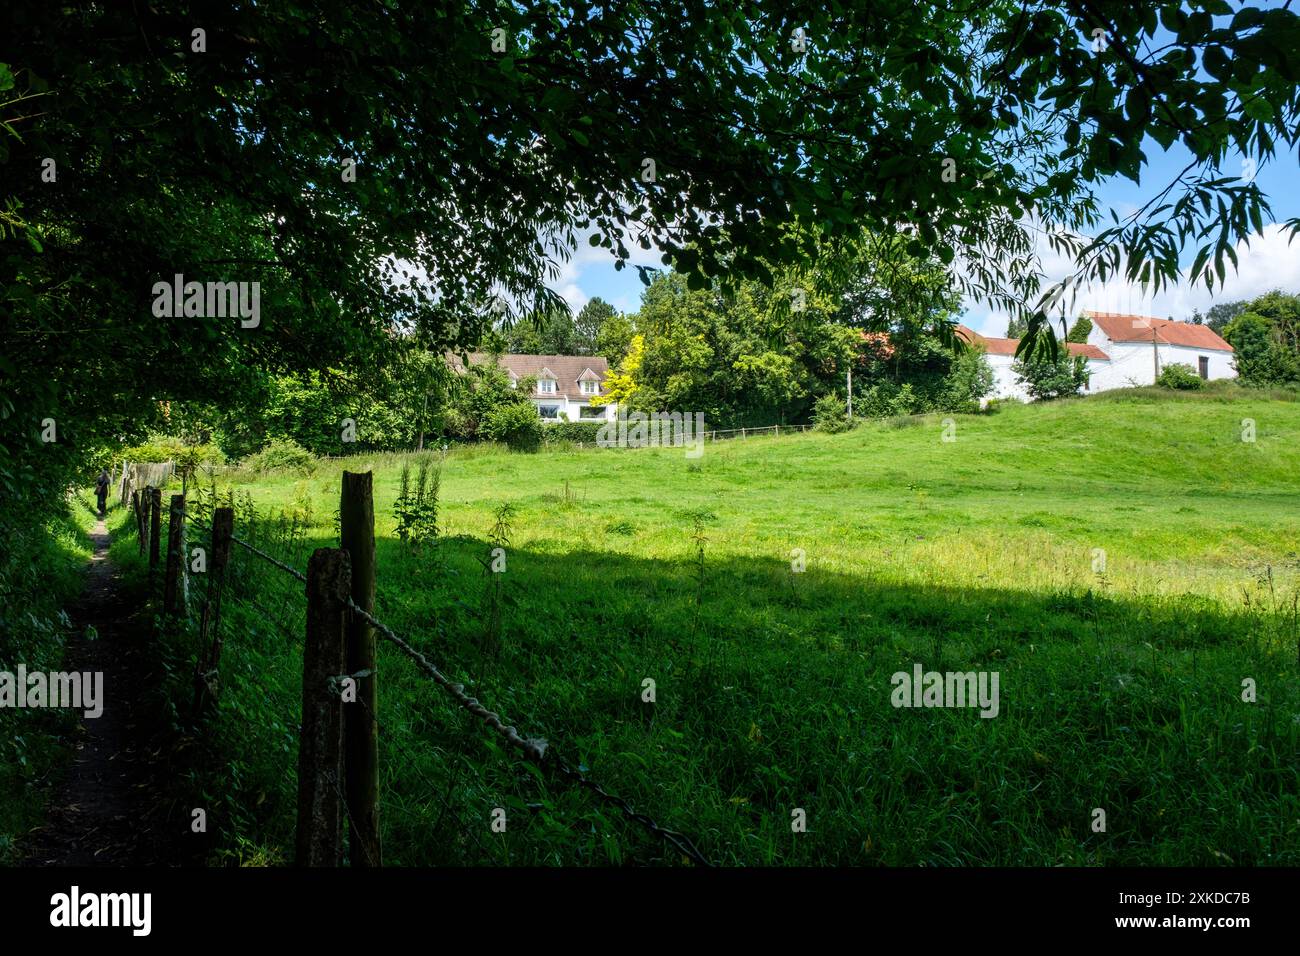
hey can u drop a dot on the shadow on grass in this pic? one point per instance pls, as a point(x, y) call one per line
point(772, 694)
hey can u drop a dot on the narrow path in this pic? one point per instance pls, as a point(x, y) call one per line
point(107, 811)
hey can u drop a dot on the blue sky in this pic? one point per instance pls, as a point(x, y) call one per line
point(1268, 261)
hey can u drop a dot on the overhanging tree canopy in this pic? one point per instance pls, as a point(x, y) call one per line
point(217, 140)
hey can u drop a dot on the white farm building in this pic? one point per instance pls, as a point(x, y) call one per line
point(1122, 351)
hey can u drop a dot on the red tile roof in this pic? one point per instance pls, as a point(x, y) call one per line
point(1119, 327)
point(1008, 346)
point(567, 370)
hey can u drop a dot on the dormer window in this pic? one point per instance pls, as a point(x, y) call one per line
point(588, 383)
point(546, 386)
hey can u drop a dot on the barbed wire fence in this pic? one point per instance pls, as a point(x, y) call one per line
point(235, 579)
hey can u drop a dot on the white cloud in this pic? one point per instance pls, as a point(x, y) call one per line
point(572, 293)
point(584, 255)
point(1266, 262)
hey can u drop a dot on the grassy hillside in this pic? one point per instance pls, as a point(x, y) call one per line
point(1121, 687)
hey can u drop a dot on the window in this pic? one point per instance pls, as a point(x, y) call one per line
point(546, 386)
point(590, 388)
point(549, 411)
point(589, 411)
point(1205, 366)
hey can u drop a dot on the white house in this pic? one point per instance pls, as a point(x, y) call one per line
point(1000, 354)
point(1140, 345)
point(1122, 351)
point(566, 384)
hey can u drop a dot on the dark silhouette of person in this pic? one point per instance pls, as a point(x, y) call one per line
point(101, 490)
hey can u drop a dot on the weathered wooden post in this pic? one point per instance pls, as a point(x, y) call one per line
point(209, 656)
point(172, 580)
point(357, 537)
point(320, 747)
point(137, 502)
point(155, 527)
point(223, 530)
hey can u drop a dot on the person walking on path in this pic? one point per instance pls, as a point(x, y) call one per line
point(101, 490)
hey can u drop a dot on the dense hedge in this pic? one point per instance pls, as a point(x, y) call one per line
point(584, 432)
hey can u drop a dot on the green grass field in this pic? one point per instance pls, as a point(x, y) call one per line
point(1120, 688)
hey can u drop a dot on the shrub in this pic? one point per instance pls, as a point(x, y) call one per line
point(1180, 377)
point(887, 400)
point(580, 431)
point(1263, 356)
point(482, 390)
point(969, 379)
point(829, 415)
point(281, 454)
point(1048, 378)
point(519, 426)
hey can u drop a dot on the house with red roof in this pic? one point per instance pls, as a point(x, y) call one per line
point(564, 384)
point(1139, 346)
point(1122, 351)
point(1001, 353)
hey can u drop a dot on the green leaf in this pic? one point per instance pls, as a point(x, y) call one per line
point(1216, 62)
point(1138, 105)
point(1258, 108)
point(1163, 134)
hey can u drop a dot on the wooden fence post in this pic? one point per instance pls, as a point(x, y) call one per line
point(172, 581)
point(139, 503)
point(320, 747)
point(155, 527)
point(357, 538)
point(209, 656)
